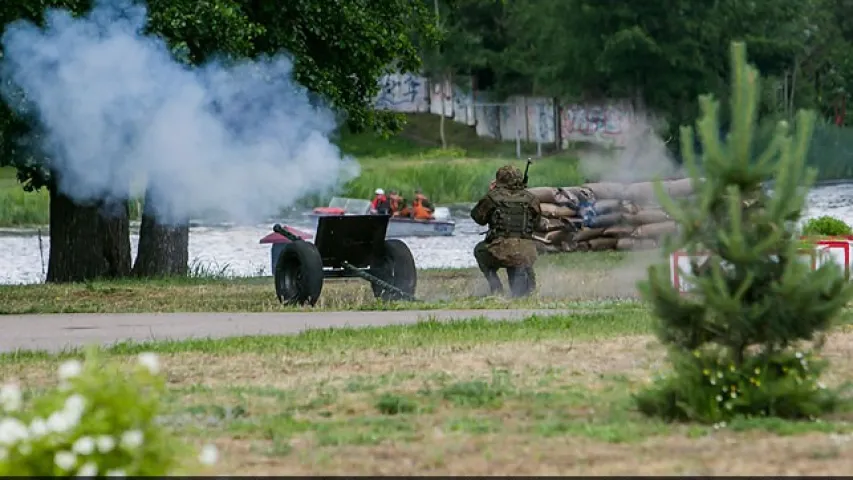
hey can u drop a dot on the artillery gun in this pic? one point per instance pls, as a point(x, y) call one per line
point(345, 246)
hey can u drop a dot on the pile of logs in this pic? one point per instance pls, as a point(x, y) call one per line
point(605, 216)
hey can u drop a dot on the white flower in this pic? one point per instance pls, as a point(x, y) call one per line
point(10, 397)
point(131, 439)
point(59, 422)
point(70, 369)
point(115, 473)
point(88, 470)
point(150, 361)
point(38, 427)
point(12, 430)
point(798, 355)
point(65, 460)
point(105, 443)
point(209, 454)
point(84, 446)
point(75, 405)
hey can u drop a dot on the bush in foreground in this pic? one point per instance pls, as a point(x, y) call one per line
point(826, 226)
point(733, 340)
point(99, 421)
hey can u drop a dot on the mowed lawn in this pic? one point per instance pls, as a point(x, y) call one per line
point(544, 396)
point(565, 280)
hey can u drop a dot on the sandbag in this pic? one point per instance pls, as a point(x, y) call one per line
point(587, 234)
point(551, 224)
point(645, 216)
point(546, 248)
point(583, 194)
point(557, 236)
point(629, 208)
point(681, 188)
point(642, 193)
point(606, 190)
point(565, 198)
point(602, 207)
point(603, 221)
point(655, 230)
point(544, 194)
point(603, 243)
point(581, 247)
point(549, 210)
point(618, 231)
point(635, 244)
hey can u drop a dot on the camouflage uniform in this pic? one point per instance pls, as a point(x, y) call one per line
point(510, 211)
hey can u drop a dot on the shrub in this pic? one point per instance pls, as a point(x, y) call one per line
point(754, 298)
point(826, 226)
point(99, 421)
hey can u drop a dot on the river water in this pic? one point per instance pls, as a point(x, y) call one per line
point(236, 249)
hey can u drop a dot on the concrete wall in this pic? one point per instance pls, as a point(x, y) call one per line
point(532, 119)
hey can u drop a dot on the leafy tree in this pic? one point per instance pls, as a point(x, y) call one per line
point(732, 340)
point(340, 50)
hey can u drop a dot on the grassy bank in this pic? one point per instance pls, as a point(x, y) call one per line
point(564, 280)
point(406, 161)
point(543, 396)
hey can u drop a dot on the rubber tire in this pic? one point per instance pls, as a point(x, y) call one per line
point(299, 274)
point(397, 267)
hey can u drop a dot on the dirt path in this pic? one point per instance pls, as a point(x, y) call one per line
point(55, 332)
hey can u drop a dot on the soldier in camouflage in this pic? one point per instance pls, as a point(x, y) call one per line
point(511, 212)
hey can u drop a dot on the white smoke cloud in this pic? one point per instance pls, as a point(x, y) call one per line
point(644, 155)
point(115, 106)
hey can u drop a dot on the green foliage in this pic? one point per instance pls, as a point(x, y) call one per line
point(710, 387)
point(339, 52)
point(100, 420)
point(341, 49)
point(826, 226)
point(754, 296)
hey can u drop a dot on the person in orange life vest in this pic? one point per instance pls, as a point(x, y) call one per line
point(380, 204)
point(421, 207)
point(398, 204)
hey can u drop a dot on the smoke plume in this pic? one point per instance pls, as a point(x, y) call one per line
point(643, 156)
point(114, 106)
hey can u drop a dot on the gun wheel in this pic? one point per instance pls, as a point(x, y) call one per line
point(299, 274)
point(396, 266)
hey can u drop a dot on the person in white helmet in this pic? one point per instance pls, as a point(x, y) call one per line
point(380, 204)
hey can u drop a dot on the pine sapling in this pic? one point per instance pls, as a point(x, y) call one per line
point(755, 297)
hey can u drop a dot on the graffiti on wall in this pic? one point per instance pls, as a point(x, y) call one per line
point(441, 97)
point(595, 123)
point(403, 92)
point(540, 120)
point(463, 107)
point(488, 121)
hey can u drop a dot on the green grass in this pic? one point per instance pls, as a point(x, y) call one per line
point(543, 395)
point(565, 280)
point(459, 174)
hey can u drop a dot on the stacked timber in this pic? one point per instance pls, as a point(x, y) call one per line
point(605, 216)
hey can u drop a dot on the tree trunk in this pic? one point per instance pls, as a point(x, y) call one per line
point(163, 248)
point(87, 242)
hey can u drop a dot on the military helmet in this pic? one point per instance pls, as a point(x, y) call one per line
point(508, 175)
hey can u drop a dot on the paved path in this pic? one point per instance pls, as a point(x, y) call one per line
point(55, 332)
